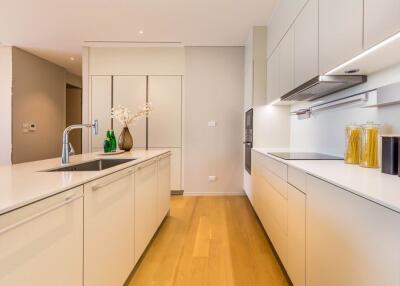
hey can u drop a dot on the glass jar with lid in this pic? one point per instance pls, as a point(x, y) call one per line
point(353, 142)
point(370, 150)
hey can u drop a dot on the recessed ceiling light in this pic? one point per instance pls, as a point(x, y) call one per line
point(72, 59)
point(141, 32)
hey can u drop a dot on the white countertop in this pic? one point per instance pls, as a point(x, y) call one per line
point(369, 183)
point(22, 184)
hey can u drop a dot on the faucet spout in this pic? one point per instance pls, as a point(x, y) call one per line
point(65, 146)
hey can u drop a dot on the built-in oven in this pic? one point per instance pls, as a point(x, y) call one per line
point(248, 139)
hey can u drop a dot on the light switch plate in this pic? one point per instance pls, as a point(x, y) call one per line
point(212, 123)
point(212, 178)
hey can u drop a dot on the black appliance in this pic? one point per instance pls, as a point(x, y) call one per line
point(390, 155)
point(304, 156)
point(248, 139)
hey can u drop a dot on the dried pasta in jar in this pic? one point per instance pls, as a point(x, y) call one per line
point(353, 137)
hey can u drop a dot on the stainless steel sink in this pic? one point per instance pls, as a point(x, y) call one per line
point(97, 165)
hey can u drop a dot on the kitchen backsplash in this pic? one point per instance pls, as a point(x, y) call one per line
point(324, 130)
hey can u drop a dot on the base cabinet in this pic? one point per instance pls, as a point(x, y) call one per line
point(350, 240)
point(296, 266)
point(163, 189)
point(42, 243)
point(109, 229)
point(146, 215)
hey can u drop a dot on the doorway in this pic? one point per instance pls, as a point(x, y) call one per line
point(74, 115)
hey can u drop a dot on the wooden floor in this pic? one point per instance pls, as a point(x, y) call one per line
point(209, 241)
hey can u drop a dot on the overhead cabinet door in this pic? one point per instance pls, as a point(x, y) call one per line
point(340, 32)
point(286, 63)
point(165, 122)
point(100, 87)
point(381, 20)
point(130, 92)
point(306, 44)
point(273, 77)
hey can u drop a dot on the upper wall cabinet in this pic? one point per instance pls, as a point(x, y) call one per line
point(284, 15)
point(286, 63)
point(381, 20)
point(306, 44)
point(255, 71)
point(340, 32)
point(273, 78)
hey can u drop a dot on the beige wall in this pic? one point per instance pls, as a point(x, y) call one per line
point(5, 104)
point(213, 92)
point(38, 97)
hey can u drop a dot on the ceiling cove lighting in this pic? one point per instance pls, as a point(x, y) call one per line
point(366, 52)
point(274, 102)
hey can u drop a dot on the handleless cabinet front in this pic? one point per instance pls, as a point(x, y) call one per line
point(42, 244)
point(109, 229)
point(145, 205)
point(164, 183)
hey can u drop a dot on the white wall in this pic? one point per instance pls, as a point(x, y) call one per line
point(213, 92)
point(5, 106)
point(324, 131)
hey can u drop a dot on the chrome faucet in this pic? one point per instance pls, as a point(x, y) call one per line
point(67, 148)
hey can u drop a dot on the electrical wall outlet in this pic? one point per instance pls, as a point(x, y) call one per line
point(28, 127)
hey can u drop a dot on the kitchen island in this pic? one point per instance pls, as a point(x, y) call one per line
point(80, 227)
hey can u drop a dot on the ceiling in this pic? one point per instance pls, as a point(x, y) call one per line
point(56, 30)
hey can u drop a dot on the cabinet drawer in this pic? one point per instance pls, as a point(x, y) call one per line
point(42, 243)
point(276, 182)
point(276, 167)
point(297, 178)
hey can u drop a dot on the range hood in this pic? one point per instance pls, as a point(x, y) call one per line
point(323, 85)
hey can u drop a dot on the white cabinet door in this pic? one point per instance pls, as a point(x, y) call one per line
point(109, 229)
point(259, 74)
point(176, 168)
point(164, 186)
point(306, 44)
point(100, 91)
point(381, 20)
point(340, 32)
point(42, 244)
point(145, 205)
point(165, 122)
point(273, 77)
point(130, 91)
point(349, 240)
point(296, 267)
point(286, 63)
point(284, 15)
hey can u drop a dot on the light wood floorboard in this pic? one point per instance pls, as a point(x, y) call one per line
point(209, 241)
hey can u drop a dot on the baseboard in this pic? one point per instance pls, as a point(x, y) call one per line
point(214, 193)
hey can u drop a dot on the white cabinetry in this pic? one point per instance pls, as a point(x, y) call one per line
point(273, 77)
point(296, 265)
point(130, 91)
point(255, 67)
point(146, 214)
point(381, 20)
point(164, 189)
point(286, 63)
point(350, 240)
point(340, 32)
point(109, 229)
point(165, 122)
point(284, 15)
point(42, 243)
point(100, 91)
point(306, 44)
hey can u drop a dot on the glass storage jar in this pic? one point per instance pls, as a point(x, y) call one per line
point(369, 155)
point(353, 138)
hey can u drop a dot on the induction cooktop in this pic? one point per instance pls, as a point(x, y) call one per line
point(304, 156)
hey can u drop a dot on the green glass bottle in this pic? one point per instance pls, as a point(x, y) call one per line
point(107, 145)
point(113, 141)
